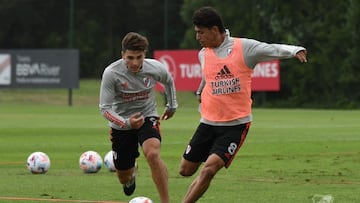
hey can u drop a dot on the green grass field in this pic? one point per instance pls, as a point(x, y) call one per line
point(290, 155)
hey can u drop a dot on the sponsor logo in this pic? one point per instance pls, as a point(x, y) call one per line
point(225, 82)
point(224, 73)
point(136, 96)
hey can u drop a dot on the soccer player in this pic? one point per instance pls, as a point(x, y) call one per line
point(127, 101)
point(225, 97)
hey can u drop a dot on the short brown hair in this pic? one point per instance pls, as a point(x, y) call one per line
point(135, 42)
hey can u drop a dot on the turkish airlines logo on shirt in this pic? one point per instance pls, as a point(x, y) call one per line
point(225, 82)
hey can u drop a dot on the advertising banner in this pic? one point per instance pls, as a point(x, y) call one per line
point(266, 76)
point(184, 67)
point(186, 71)
point(42, 68)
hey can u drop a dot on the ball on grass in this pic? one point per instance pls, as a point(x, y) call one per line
point(38, 163)
point(141, 200)
point(90, 162)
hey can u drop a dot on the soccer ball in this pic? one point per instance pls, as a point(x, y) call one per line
point(90, 162)
point(109, 161)
point(141, 200)
point(38, 163)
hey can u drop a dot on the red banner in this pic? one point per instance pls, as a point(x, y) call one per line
point(266, 76)
point(185, 68)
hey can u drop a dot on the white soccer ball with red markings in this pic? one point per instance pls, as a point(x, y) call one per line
point(90, 162)
point(141, 200)
point(109, 161)
point(38, 163)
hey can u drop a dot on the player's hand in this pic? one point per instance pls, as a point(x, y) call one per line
point(198, 96)
point(136, 120)
point(301, 55)
point(166, 115)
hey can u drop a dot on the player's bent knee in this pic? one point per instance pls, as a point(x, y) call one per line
point(186, 171)
point(152, 157)
point(188, 168)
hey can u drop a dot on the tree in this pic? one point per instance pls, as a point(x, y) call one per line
point(349, 77)
point(98, 27)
